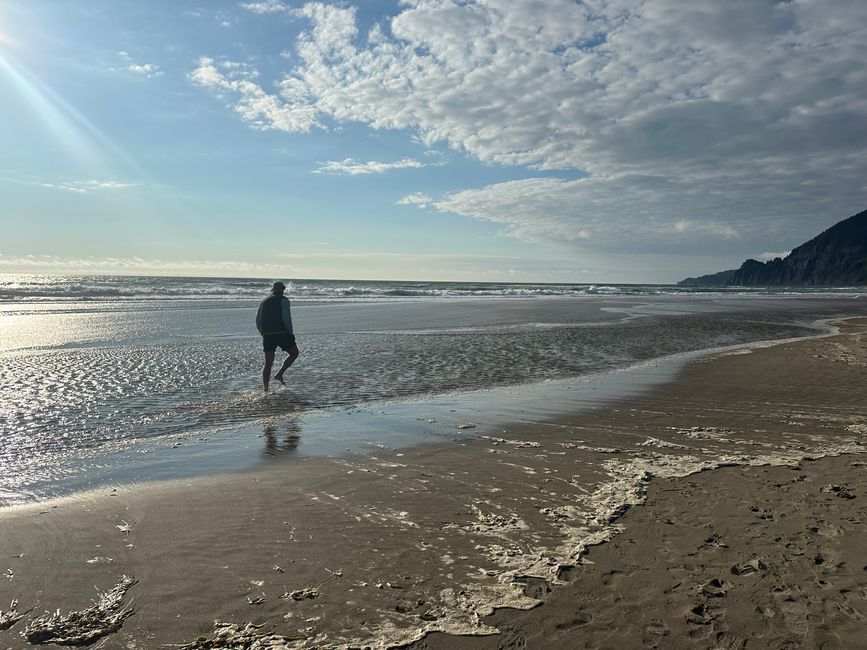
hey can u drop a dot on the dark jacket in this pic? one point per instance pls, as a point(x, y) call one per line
point(273, 316)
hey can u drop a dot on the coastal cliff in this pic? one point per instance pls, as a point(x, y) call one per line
point(836, 257)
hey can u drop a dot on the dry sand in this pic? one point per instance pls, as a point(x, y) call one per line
point(387, 549)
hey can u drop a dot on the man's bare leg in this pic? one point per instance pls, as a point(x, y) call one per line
point(290, 359)
point(266, 371)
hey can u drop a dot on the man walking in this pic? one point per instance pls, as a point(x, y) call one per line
point(274, 322)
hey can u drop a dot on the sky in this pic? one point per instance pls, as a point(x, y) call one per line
point(478, 140)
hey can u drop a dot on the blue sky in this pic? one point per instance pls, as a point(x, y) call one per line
point(621, 140)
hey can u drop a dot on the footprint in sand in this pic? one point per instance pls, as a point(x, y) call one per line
point(580, 619)
point(536, 588)
point(699, 615)
point(653, 632)
point(611, 578)
point(842, 491)
point(747, 568)
point(714, 540)
point(848, 611)
point(729, 641)
point(794, 615)
point(715, 588)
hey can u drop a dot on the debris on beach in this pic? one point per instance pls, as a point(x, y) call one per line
point(103, 617)
point(465, 425)
point(842, 491)
point(656, 442)
point(704, 433)
point(304, 594)
point(8, 573)
point(601, 450)
point(256, 600)
point(232, 636)
point(125, 527)
point(99, 559)
point(513, 443)
point(11, 616)
point(492, 523)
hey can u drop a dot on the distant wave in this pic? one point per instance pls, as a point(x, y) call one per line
point(18, 288)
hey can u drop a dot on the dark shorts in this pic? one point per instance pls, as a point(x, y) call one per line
point(286, 342)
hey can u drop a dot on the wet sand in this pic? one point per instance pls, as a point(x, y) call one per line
point(405, 546)
point(770, 557)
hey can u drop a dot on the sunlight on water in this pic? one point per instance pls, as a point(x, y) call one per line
point(91, 375)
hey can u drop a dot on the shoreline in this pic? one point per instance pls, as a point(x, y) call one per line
point(423, 539)
point(368, 428)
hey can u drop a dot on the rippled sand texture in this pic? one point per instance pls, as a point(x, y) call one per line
point(92, 381)
point(392, 547)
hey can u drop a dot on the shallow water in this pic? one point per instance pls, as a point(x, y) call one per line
point(406, 541)
point(83, 378)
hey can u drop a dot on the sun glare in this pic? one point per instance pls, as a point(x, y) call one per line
point(80, 137)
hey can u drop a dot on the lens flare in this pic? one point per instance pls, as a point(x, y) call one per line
point(79, 137)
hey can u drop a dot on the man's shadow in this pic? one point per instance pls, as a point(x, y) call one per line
point(282, 438)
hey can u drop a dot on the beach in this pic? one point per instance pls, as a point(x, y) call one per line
point(433, 325)
point(721, 508)
point(126, 379)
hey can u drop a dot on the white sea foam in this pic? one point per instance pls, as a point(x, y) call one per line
point(40, 288)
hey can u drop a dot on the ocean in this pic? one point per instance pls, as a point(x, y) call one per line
point(99, 372)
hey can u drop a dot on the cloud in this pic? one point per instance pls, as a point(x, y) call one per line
point(767, 257)
point(354, 167)
point(260, 109)
point(685, 225)
point(615, 213)
point(735, 115)
point(266, 7)
point(83, 187)
point(49, 263)
point(336, 264)
point(144, 69)
point(417, 198)
point(224, 19)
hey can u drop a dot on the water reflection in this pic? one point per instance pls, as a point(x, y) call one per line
point(282, 438)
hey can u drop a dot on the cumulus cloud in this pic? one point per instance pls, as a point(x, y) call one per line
point(734, 114)
point(354, 167)
point(144, 69)
point(292, 112)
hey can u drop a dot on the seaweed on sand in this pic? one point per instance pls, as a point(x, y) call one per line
point(231, 636)
point(11, 616)
point(103, 617)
